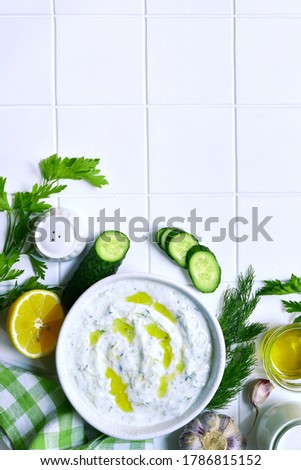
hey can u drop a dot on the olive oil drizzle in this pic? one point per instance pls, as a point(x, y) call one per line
point(164, 341)
point(145, 299)
point(124, 328)
point(94, 336)
point(118, 390)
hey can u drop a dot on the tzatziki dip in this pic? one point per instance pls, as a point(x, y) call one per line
point(140, 351)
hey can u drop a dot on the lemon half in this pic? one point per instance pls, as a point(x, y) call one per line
point(34, 321)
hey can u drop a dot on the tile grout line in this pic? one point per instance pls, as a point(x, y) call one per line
point(235, 127)
point(54, 100)
point(54, 87)
point(161, 105)
point(146, 129)
point(235, 158)
point(296, 194)
point(204, 16)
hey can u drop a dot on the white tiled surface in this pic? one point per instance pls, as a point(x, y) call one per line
point(268, 7)
point(27, 7)
point(189, 60)
point(265, 136)
point(26, 133)
point(276, 258)
point(99, 7)
point(103, 131)
point(189, 105)
point(200, 136)
point(26, 60)
point(102, 66)
point(268, 60)
point(189, 7)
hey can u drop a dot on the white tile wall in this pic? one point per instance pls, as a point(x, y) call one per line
point(28, 7)
point(277, 258)
point(99, 7)
point(114, 134)
point(199, 140)
point(268, 60)
point(189, 60)
point(101, 66)
point(189, 7)
point(191, 104)
point(26, 58)
point(266, 136)
point(26, 134)
point(268, 7)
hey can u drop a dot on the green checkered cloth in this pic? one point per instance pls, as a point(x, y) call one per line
point(35, 414)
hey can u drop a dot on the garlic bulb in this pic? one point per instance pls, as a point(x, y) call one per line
point(212, 431)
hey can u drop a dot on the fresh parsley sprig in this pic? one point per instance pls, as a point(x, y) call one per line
point(292, 306)
point(237, 306)
point(7, 272)
point(276, 287)
point(56, 168)
point(27, 206)
point(4, 204)
point(31, 283)
point(292, 286)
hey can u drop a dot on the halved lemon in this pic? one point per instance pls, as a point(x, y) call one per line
point(34, 321)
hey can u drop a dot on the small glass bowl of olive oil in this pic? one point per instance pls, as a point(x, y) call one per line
point(281, 354)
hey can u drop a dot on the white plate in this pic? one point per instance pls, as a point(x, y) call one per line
point(103, 422)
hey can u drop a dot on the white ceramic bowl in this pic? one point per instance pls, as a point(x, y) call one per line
point(103, 422)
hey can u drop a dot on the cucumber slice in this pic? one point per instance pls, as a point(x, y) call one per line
point(165, 235)
point(178, 244)
point(203, 268)
point(159, 234)
point(111, 246)
point(102, 260)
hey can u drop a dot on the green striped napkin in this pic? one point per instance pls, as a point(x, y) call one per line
point(35, 414)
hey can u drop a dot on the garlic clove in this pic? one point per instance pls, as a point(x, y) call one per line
point(212, 431)
point(237, 442)
point(226, 424)
point(260, 390)
point(213, 421)
point(190, 440)
point(197, 426)
point(231, 429)
point(235, 439)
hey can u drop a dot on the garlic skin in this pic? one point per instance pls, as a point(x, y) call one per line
point(212, 431)
point(259, 391)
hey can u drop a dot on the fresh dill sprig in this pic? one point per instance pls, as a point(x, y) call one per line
point(240, 363)
point(237, 306)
